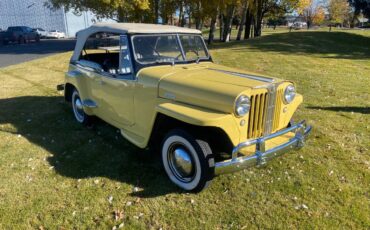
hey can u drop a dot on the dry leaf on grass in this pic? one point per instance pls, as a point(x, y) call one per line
point(118, 215)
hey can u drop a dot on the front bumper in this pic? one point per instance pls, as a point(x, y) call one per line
point(261, 156)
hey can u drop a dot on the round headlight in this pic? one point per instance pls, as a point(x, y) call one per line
point(242, 105)
point(289, 94)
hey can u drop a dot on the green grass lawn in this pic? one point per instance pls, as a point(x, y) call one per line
point(56, 174)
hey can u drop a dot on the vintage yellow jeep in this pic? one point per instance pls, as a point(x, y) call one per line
point(159, 86)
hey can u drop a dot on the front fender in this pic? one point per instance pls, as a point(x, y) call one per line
point(201, 117)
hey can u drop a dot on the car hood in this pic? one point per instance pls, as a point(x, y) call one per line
point(208, 85)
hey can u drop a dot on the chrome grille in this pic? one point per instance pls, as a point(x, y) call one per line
point(264, 113)
point(256, 121)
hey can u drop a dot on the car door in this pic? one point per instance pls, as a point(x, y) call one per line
point(117, 90)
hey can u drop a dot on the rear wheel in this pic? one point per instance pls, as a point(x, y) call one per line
point(188, 161)
point(77, 106)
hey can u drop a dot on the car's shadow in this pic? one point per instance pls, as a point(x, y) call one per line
point(78, 152)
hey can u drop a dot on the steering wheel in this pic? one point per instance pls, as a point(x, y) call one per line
point(195, 52)
point(178, 56)
point(159, 54)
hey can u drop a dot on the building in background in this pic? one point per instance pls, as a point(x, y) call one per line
point(34, 14)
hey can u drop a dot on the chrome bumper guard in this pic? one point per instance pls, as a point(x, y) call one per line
point(261, 156)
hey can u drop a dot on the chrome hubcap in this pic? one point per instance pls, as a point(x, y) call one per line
point(181, 163)
point(78, 109)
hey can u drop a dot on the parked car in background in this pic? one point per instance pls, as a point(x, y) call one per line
point(299, 25)
point(56, 34)
point(20, 34)
point(41, 32)
point(159, 86)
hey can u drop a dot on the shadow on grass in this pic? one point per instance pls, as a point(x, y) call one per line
point(328, 44)
point(78, 152)
point(349, 109)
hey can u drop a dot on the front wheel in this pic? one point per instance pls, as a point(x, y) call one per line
point(77, 107)
point(188, 161)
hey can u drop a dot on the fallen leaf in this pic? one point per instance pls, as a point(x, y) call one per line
point(118, 215)
point(110, 199)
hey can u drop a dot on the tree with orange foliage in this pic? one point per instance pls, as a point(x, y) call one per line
point(339, 11)
point(319, 16)
point(312, 11)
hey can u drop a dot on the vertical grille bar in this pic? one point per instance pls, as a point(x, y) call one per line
point(256, 115)
point(251, 117)
point(270, 109)
point(261, 114)
point(279, 96)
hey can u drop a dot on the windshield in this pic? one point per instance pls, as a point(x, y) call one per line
point(168, 48)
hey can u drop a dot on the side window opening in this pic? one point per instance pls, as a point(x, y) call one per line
point(103, 49)
point(109, 51)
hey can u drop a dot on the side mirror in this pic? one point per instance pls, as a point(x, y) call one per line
point(91, 66)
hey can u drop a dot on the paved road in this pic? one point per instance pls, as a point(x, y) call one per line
point(17, 53)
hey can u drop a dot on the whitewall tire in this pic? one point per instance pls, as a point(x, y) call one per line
point(188, 161)
point(77, 108)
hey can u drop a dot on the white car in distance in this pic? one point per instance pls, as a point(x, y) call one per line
point(56, 34)
point(41, 32)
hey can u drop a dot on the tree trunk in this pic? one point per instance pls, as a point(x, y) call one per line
point(228, 24)
point(156, 11)
point(258, 19)
point(242, 22)
point(201, 24)
point(248, 24)
point(189, 15)
point(181, 14)
point(257, 27)
point(197, 15)
point(121, 14)
point(221, 19)
point(252, 27)
point(212, 29)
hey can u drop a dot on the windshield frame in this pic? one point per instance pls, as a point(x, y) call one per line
point(177, 35)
